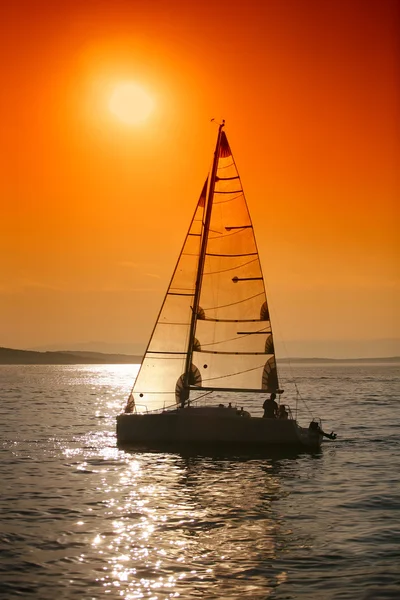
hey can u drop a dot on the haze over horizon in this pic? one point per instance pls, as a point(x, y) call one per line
point(289, 349)
point(97, 200)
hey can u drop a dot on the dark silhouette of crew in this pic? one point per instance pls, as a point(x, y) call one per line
point(282, 412)
point(270, 407)
point(315, 427)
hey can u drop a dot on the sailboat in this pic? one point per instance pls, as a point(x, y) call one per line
point(211, 353)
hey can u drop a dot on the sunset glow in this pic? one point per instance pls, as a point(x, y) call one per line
point(108, 140)
point(130, 103)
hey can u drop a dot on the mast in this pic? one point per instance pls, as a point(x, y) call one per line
point(202, 258)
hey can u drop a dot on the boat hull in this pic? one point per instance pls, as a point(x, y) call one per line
point(218, 426)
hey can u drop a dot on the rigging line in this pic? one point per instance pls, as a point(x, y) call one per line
point(235, 338)
point(157, 410)
point(232, 268)
point(200, 397)
point(302, 399)
point(166, 408)
point(234, 374)
point(233, 303)
point(279, 328)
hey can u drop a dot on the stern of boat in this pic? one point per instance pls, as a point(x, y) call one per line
point(309, 437)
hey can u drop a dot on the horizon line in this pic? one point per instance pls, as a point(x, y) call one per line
point(137, 355)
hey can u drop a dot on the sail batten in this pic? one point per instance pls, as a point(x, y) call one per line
point(180, 294)
point(164, 352)
point(233, 353)
point(235, 320)
point(231, 255)
point(234, 192)
point(204, 388)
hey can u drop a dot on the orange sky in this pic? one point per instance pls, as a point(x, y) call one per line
point(94, 212)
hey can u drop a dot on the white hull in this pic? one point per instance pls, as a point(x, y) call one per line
point(212, 425)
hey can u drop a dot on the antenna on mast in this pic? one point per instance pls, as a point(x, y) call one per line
point(219, 124)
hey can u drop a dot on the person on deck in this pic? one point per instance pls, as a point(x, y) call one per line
point(282, 412)
point(314, 426)
point(270, 407)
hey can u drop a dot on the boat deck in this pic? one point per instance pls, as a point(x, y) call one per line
point(212, 425)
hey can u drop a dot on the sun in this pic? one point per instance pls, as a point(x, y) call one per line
point(130, 103)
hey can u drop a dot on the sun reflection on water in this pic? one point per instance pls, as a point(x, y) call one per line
point(165, 525)
point(82, 519)
point(177, 523)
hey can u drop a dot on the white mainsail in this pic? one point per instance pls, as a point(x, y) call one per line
point(227, 344)
point(235, 335)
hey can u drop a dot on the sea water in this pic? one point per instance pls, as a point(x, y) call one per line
point(81, 519)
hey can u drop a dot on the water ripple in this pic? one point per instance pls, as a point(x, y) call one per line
point(82, 519)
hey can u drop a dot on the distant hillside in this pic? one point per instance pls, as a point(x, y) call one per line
point(384, 359)
point(9, 356)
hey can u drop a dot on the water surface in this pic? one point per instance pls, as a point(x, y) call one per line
point(82, 519)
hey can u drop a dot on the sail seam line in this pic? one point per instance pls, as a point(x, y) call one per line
point(225, 235)
point(229, 199)
point(234, 374)
point(233, 303)
point(232, 268)
point(232, 164)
